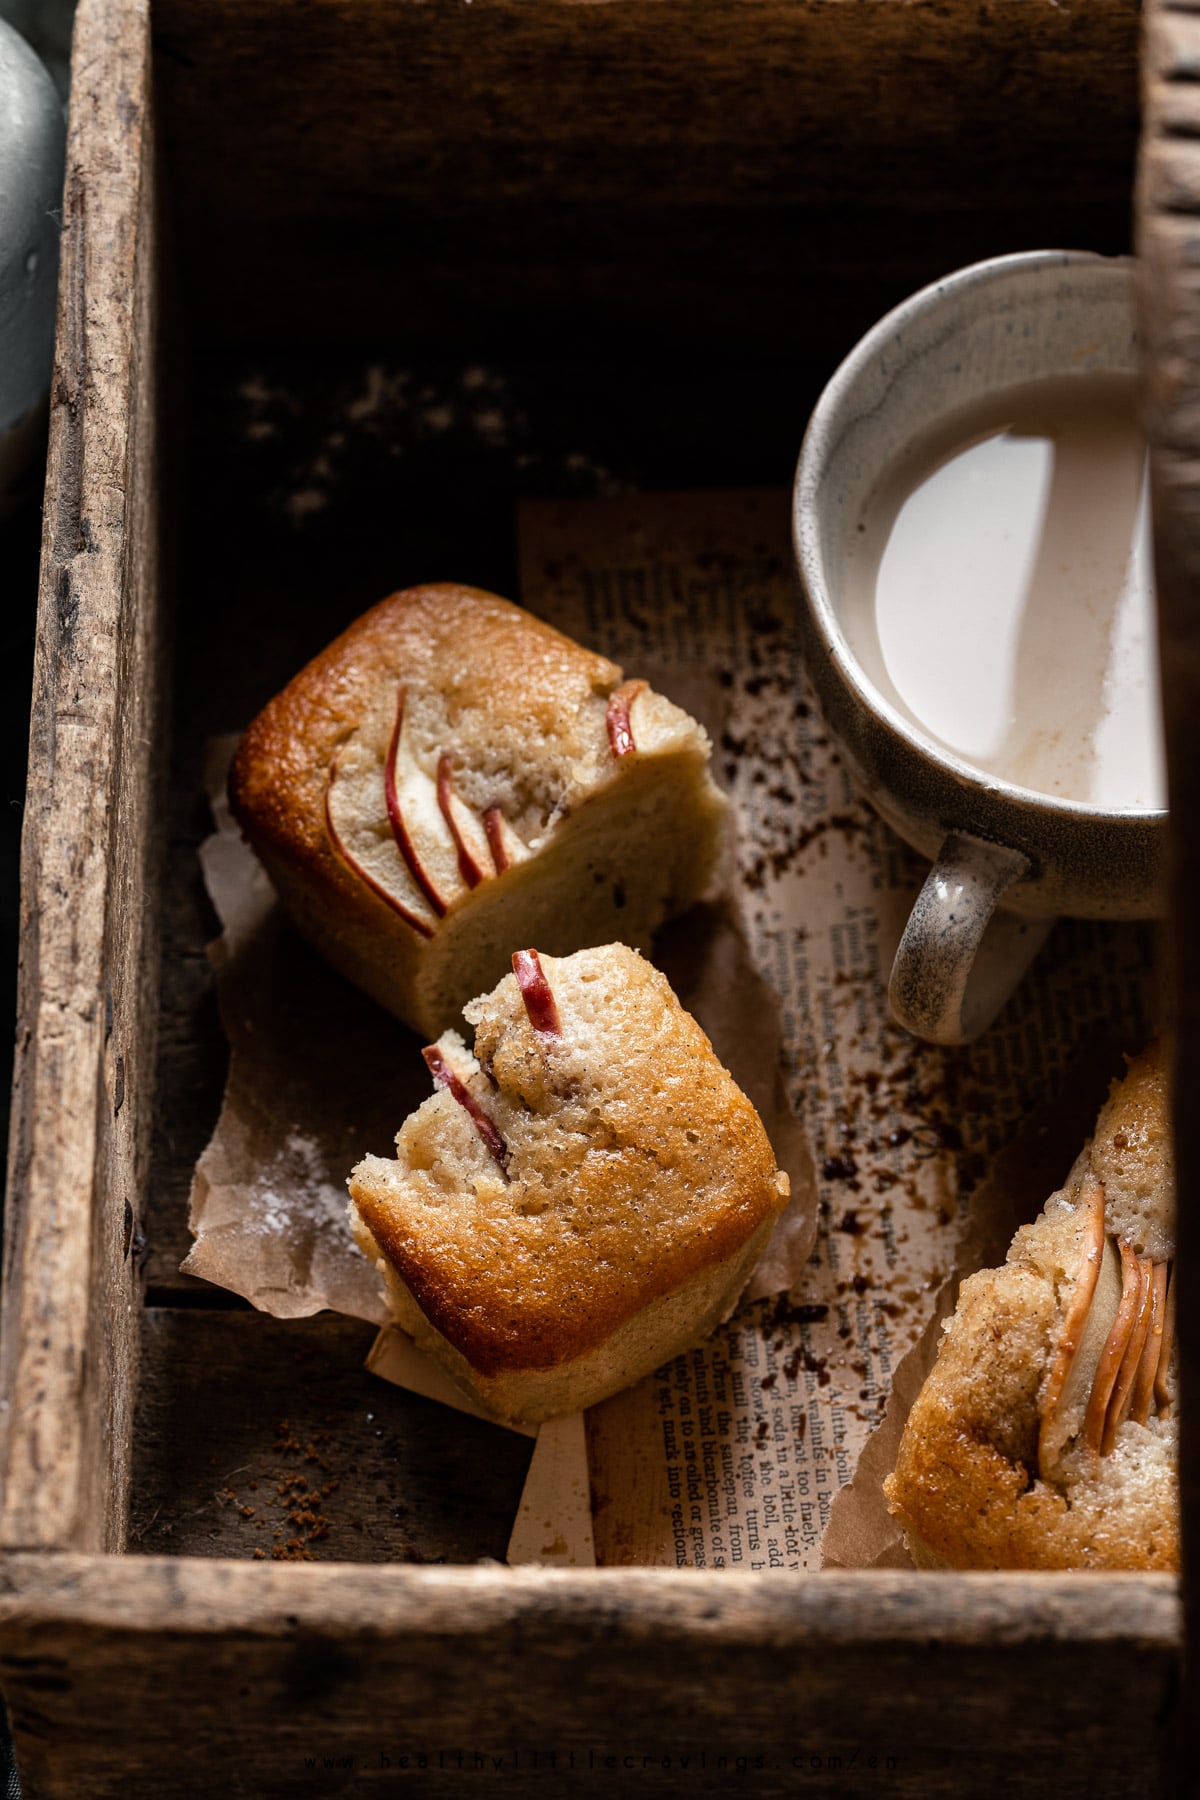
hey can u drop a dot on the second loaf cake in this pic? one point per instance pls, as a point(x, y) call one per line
point(583, 1197)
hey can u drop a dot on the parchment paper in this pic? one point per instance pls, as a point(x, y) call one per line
point(317, 1074)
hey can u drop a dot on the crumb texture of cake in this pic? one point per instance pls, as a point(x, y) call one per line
point(452, 778)
point(583, 1196)
point(1046, 1435)
point(1133, 1158)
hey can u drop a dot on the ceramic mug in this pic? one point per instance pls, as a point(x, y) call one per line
point(998, 324)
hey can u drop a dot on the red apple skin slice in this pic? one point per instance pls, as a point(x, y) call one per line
point(1091, 1201)
point(493, 825)
point(620, 731)
point(1130, 1362)
point(419, 925)
point(400, 831)
point(1113, 1354)
point(537, 993)
point(445, 1077)
point(457, 817)
point(503, 842)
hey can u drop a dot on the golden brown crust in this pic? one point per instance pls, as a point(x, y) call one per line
point(622, 1182)
point(279, 775)
point(494, 1300)
point(965, 1483)
point(666, 1328)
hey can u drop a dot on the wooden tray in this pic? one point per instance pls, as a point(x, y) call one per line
point(673, 218)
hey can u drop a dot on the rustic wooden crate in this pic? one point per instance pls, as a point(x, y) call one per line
point(716, 191)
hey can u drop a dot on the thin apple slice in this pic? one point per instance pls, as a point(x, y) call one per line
point(363, 839)
point(506, 847)
point(620, 728)
point(1113, 1354)
point(445, 1077)
point(1091, 1205)
point(1162, 1394)
point(422, 835)
point(1143, 1387)
point(1130, 1362)
point(537, 993)
point(475, 862)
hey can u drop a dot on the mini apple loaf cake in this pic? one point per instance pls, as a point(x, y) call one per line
point(452, 778)
point(580, 1199)
point(1045, 1436)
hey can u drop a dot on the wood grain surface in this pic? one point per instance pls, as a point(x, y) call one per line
point(129, 1677)
point(85, 1053)
point(709, 172)
point(266, 1438)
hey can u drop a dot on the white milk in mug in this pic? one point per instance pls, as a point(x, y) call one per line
point(999, 592)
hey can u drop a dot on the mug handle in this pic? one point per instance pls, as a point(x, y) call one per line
point(948, 981)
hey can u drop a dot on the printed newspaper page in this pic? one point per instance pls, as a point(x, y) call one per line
point(731, 1455)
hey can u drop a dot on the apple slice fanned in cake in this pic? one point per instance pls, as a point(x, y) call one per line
point(1045, 1436)
point(453, 778)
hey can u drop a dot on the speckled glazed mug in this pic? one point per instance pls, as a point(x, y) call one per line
point(1002, 323)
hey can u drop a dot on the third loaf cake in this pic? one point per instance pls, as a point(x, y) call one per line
point(1046, 1435)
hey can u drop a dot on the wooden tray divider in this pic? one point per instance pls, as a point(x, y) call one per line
point(1168, 244)
point(87, 988)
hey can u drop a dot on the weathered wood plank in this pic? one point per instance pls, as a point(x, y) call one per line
point(1168, 241)
point(709, 171)
point(265, 1438)
point(85, 1041)
point(741, 89)
point(278, 1678)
